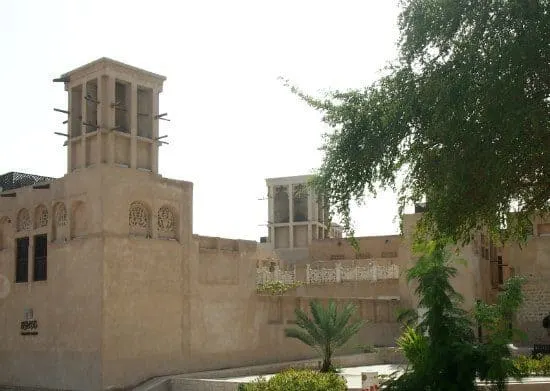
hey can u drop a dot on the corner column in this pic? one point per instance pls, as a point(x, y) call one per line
point(100, 119)
point(83, 128)
point(133, 125)
point(271, 214)
point(290, 216)
point(155, 144)
point(310, 218)
point(70, 166)
point(110, 117)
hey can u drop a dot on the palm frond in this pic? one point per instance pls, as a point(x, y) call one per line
point(301, 335)
point(304, 322)
point(347, 332)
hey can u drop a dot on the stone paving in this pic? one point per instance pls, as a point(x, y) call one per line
point(353, 376)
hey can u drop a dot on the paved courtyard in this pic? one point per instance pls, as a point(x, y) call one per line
point(353, 375)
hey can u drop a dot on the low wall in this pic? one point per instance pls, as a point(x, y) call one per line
point(202, 385)
point(210, 381)
point(379, 357)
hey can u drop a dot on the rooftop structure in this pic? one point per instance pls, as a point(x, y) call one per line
point(15, 180)
point(113, 116)
point(296, 214)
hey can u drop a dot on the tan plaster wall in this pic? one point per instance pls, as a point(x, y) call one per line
point(143, 305)
point(224, 315)
point(532, 260)
point(66, 352)
point(369, 247)
point(145, 279)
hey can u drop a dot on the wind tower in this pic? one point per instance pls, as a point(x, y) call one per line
point(113, 116)
point(296, 216)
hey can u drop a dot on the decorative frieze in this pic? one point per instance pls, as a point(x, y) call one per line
point(372, 272)
point(267, 274)
point(328, 275)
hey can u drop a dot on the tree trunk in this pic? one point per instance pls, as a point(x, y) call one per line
point(327, 363)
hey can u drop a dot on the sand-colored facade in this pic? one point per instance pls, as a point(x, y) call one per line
point(125, 291)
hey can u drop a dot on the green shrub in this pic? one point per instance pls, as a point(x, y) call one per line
point(525, 366)
point(276, 288)
point(528, 366)
point(298, 380)
point(545, 366)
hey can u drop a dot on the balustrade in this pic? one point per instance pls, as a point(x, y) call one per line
point(329, 275)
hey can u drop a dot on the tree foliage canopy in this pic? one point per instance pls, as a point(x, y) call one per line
point(442, 351)
point(461, 119)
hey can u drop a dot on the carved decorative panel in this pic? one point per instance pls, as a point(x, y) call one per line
point(139, 220)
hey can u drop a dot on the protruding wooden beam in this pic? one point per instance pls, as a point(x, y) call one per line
point(89, 98)
point(61, 111)
point(61, 134)
point(91, 125)
point(63, 79)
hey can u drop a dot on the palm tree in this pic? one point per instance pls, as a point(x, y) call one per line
point(408, 317)
point(327, 331)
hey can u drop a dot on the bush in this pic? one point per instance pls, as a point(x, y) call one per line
point(276, 288)
point(527, 366)
point(298, 380)
point(545, 366)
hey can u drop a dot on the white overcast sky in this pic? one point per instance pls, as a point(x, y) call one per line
point(233, 123)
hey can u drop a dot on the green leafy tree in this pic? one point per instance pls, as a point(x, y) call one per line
point(496, 319)
point(442, 351)
point(327, 330)
point(461, 119)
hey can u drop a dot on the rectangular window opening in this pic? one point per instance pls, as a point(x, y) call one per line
point(145, 112)
point(76, 111)
point(40, 257)
point(91, 106)
point(300, 200)
point(122, 107)
point(22, 260)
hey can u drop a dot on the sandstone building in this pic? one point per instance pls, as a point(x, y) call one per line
point(103, 283)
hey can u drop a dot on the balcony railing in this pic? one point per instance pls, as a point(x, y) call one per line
point(340, 273)
point(329, 275)
point(269, 274)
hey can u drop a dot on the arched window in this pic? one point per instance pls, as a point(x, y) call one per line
point(60, 222)
point(79, 219)
point(166, 223)
point(139, 219)
point(60, 215)
point(41, 217)
point(23, 221)
point(4, 232)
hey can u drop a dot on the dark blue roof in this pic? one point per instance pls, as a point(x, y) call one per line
point(16, 180)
